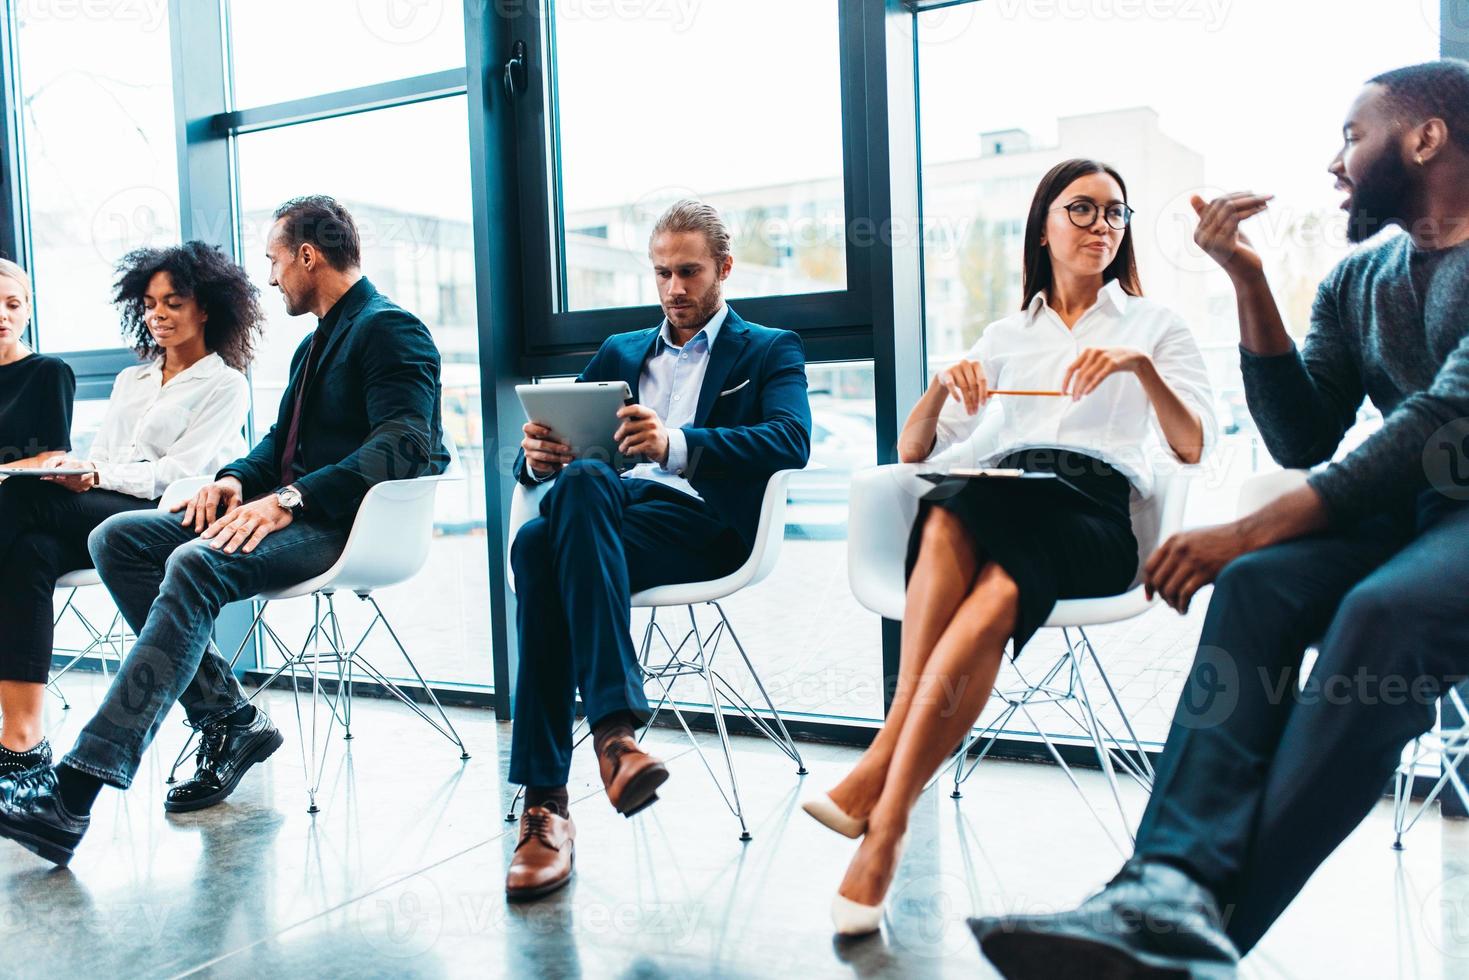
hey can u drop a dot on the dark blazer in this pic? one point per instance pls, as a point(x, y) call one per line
point(372, 410)
point(753, 417)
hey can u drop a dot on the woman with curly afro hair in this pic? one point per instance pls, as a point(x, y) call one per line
point(193, 316)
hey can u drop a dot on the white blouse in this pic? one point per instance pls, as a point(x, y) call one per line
point(1031, 350)
point(155, 433)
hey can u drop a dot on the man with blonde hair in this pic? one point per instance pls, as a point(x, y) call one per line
point(718, 406)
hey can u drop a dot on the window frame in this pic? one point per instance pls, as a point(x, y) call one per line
point(516, 233)
point(833, 324)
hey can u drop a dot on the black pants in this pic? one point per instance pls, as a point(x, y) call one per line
point(1261, 780)
point(43, 535)
point(598, 540)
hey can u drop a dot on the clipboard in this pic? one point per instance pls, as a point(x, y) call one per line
point(38, 471)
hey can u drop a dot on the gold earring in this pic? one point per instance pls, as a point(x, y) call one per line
point(1418, 159)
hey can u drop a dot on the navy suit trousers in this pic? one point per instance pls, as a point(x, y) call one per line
point(598, 540)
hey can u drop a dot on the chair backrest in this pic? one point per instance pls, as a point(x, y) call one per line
point(392, 531)
point(1264, 488)
point(1159, 516)
point(884, 505)
point(525, 504)
point(181, 490)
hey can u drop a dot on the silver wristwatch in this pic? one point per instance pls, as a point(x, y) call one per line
point(290, 499)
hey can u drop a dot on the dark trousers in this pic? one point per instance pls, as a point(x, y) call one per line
point(43, 535)
point(598, 540)
point(1261, 780)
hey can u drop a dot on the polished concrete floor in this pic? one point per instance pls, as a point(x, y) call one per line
point(400, 874)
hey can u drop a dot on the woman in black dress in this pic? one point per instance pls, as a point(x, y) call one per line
point(192, 314)
point(35, 390)
point(1093, 380)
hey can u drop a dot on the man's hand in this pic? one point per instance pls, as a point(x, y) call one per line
point(223, 494)
point(966, 384)
point(1191, 560)
point(1096, 364)
point(76, 484)
point(543, 454)
point(247, 525)
point(1218, 233)
point(641, 434)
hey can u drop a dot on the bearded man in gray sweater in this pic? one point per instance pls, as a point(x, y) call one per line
point(1261, 779)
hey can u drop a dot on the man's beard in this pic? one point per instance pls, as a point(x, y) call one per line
point(1379, 199)
point(706, 309)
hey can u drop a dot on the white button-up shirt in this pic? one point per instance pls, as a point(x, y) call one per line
point(155, 433)
point(670, 384)
point(1031, 350)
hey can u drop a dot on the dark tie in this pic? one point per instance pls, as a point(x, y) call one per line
point(293, 431)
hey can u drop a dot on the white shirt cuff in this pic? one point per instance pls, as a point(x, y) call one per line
point(678, 451)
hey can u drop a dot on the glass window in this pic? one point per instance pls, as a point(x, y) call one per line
point(819, 652)
point(691, 102)
point(89, 82)
point(417, 248)
point(1146, 98)
point(284, 49)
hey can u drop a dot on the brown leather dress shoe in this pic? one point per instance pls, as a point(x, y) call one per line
point(632, 776)
point(544, 856)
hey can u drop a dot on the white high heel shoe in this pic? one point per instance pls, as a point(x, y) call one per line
point(853, 918)
point(829, 815)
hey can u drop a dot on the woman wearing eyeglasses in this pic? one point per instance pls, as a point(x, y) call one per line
point(1084, 374)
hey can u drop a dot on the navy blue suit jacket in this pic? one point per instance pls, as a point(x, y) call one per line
point(753, 416)
point(371, 411)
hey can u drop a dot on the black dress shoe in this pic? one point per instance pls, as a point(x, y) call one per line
point(226, 753)
point(13, 764)
point(1151, 922)
point(32, 815)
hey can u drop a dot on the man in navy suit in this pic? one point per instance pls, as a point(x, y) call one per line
point(720, 405)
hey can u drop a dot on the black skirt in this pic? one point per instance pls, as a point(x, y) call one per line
point(1064, 538)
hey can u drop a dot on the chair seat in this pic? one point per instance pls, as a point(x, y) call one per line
point(694, 593)
point(79, 579)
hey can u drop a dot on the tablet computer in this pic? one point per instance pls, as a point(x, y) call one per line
point(582, 415)
point(44, 471)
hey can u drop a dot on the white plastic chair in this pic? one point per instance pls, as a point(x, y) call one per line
point(884, 505)
point(699, 662)
point(388, 544)
point(116, 636)
point(1449, 743)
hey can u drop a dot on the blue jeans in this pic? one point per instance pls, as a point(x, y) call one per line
point(170, 585)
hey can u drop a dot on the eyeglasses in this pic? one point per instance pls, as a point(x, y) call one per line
point(1083, 214)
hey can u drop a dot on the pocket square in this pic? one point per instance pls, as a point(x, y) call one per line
point(735, 388)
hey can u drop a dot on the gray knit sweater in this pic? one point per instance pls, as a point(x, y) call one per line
point(1390, 322)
